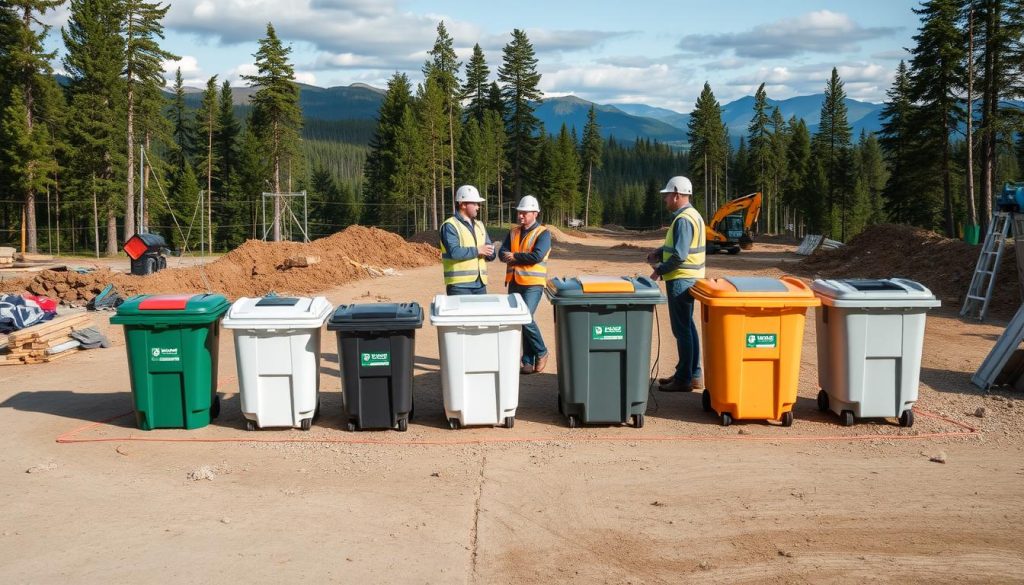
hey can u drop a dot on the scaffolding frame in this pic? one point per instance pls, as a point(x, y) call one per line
point(288, 217)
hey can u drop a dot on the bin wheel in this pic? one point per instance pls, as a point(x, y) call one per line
point(510, 421)
point(215, 407)
point(705, 401)
point(572, 421)
point(306, 424)
point(907, 418)
point(726, 419)
point(350, 426)
point(250, 425)
point(787, 419)
point(638, 421)
point(453, 424)
point(823, 401)
point(403, 425)
point(847, 418)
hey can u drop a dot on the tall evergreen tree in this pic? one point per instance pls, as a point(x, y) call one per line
point(937, 71)
point(779, 168)
point(142, 28)
point(832, 144)
point(232, 209)
point(708, 146)
point(759, 139)
point(382, 162)
point(443, 67)
point(432, 123)
point(590, 155)
point(520, 93)
point(493, 140)
point(183, 130)
point(902, 192)
point(25, 67)
point(476, 89)
point(207, 123)
point(276, 117)
point(798, 188)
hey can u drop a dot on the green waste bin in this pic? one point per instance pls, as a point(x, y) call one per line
point(603, 329)
point(172, 343)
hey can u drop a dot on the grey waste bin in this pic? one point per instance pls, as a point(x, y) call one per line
point(603, 327)
point(870, 337)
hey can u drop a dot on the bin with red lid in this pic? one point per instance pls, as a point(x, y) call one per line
point(172, 343)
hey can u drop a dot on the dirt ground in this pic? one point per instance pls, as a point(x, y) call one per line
point(681, 500)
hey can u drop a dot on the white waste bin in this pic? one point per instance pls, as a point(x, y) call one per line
point(870, 338)
point(277, 350)
point(479, 337)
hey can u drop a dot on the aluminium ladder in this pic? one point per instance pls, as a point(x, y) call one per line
point(984, 280)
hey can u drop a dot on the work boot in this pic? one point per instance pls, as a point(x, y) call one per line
point(526, 369)
point(665, 381)
point(542, 362)
point(697, 383)
point(676, 386)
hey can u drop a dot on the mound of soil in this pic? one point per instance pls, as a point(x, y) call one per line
point(255, 268)
point(942, 264)
point(627, 246)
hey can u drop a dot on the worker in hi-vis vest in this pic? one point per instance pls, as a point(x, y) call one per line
point(680, 262)
point(525, 251)
point(465, 246)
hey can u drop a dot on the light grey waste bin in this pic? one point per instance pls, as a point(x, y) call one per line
point(870, 337)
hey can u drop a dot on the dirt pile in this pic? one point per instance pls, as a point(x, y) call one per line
point(942, 264)
point(626, 246)
point(255, 268)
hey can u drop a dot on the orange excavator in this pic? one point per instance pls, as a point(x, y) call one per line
point(729, 229)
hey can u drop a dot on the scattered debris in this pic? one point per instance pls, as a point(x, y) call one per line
point(46, 342)
point(785, 553)
point(205, 472)
point(743, 432)
point(301, 261)
point(980, 412)
point(50, 466)
point(436, 474)
point(657, 503)
point(122, 450)
point(225, 520)
point(938, 458)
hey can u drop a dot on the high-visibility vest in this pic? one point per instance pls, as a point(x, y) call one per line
point(693, 264)
point(464, 271)
point(532, 274)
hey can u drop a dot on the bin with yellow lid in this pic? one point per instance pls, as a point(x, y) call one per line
point(753, 331)
point(603, 332)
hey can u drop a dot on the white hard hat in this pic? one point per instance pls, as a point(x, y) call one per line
point(468, 194)
point(680, 185)
point(528, 203)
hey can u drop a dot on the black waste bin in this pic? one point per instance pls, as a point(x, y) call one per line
point(146, 253)
point(376, 350)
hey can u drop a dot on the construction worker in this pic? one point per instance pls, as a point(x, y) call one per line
point(525, 250)
point(465, 246)
point(680, 262)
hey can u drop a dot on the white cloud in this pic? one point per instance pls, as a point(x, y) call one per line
point(305, 77)
point(863, 81)
point(188, 64)
point(822, 31)
point(234, 75)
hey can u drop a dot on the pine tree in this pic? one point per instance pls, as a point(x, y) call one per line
point(25, 66)
point(144, 58)
point(832, 143)
point(566, 173)
point(520, 93)
point(183, 129)
point(411, 175)
point(799, 188)
point(476, 89)
point(495, 102)
point(207, 123)
point(432, 124)
point(493, 140)
point(708, 147)
point(741, 168)
point(779, 141)
point(590, 155)
point(760, 141)
point(94, 61)
point(443, 67)
point(902, 192)
point(382, 162)
point(873, 173)
point(276, 116)
point(936, 74)
point(470, 162)
point(232, 210)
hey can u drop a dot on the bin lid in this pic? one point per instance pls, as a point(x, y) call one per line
point(874, 292)
point(182, 308)
point(583, 290)
point(377, 317)
point(479, 310)
point(274, 312)
point(754, 291)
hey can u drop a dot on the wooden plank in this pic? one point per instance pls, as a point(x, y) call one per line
point(48, 328)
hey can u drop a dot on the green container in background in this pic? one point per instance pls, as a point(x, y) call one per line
point(603, 329)
point(972, 234)
point(172, 343)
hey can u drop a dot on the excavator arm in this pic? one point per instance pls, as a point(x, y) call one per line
point(719, 234)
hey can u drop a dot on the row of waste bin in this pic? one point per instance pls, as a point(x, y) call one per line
point(869, 340)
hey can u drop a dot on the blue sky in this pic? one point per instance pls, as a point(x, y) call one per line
point(654, 52)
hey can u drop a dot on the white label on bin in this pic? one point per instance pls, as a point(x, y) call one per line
point(373, 360)
point(762, 340)
point(607, 333)
point(164, 354)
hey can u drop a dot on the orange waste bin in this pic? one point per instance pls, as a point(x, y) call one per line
point(753, 330)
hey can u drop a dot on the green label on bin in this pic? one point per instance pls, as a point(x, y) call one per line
point(373, 360)
point(762, 340)
point(164, 354)
point(607, 333)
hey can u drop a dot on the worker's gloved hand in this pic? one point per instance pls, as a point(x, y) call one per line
point(507, 256)
point(485, 250)
point(652, 257)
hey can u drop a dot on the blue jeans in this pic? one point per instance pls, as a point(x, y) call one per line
point(477, 288)
point(680, 313)
point(533, 342)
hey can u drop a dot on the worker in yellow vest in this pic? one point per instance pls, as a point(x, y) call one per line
point(680, 262)
point(465, 246)
point(525, 251)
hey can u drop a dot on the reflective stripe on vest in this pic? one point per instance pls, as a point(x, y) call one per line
point(527, 275)
point(464, 271)
point(693, 264)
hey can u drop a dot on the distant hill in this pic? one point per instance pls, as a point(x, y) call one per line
point(572, 111)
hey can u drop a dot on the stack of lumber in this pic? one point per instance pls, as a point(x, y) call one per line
point(6, 257)
point(45, 342)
